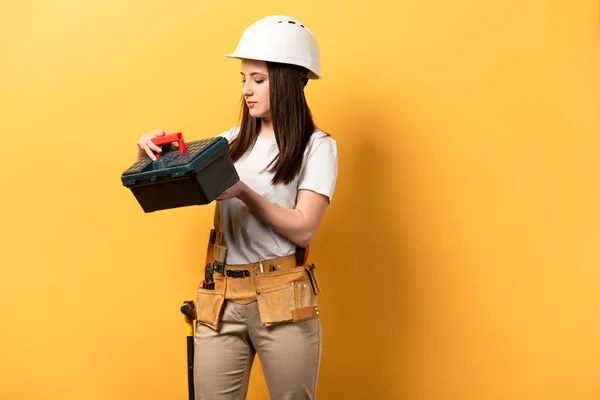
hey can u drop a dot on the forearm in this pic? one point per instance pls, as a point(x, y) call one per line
point(290, 223)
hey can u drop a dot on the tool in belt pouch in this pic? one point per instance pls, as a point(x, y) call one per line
point(210, 295)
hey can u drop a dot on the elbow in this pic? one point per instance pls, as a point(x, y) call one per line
point(304, 239)
point(302, 243)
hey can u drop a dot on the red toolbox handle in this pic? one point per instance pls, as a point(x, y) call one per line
point(173, 137)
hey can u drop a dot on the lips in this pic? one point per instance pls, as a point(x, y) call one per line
point(251, 104)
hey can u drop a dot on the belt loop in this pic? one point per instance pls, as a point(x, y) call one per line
point(237, 273)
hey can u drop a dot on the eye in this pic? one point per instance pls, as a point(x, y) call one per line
point(259, 81)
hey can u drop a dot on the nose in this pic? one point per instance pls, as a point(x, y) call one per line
point(246, 89)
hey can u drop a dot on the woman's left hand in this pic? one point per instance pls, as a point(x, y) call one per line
point(237, 190)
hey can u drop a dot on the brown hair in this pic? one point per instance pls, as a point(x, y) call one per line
point(292, 122)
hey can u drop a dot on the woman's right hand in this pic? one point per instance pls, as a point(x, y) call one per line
point(145, 145)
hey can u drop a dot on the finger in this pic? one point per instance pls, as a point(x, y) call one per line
point(150, 153)
point(154, 147)
point(159, 133)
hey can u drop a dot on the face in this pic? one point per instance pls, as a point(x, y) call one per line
point(255, 78)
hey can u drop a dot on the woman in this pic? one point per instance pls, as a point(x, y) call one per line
point(264, 295)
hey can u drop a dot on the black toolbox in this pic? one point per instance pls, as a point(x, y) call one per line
point(194, 174)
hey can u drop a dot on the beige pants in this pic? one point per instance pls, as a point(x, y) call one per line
point(289, 353)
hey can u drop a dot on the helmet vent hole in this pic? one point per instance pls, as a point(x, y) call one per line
point(302, 25)
point(291, 22)
point(279, 22)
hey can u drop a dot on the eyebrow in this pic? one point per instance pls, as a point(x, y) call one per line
point(254, 73)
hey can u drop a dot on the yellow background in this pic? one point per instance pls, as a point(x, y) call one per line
point(459, 258)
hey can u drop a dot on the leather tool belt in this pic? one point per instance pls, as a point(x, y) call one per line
point(285, 291)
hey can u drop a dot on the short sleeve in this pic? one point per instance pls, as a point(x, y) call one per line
point(319, 171)
point(230, 134)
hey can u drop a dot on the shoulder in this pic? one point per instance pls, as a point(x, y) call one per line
point(318, 136)
point(231, 133)
point(322, 141)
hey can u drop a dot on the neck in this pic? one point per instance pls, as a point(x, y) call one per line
point(266, 128)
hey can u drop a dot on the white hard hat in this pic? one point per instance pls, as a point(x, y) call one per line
point(280, 39)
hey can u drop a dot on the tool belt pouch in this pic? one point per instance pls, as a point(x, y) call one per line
point(287, 295)
point(209, 303)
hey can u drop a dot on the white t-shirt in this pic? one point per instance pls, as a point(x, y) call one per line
point(247, 238)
